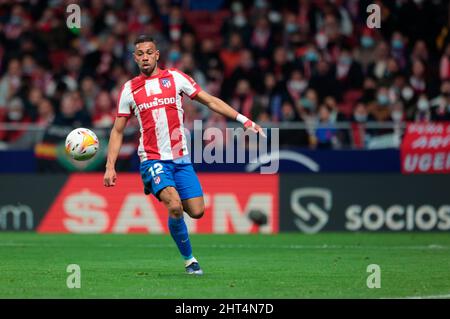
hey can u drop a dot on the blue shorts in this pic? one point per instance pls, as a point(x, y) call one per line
point(179, 173)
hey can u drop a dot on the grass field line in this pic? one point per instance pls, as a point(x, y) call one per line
point(245, 246)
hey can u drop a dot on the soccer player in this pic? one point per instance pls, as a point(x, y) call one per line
point(154, 97)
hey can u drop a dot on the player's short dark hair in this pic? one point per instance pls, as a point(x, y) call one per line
point(144, 38)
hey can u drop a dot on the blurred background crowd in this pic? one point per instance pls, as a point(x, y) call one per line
point(312, 62)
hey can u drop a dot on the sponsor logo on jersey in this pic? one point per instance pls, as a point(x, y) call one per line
point(156, 102)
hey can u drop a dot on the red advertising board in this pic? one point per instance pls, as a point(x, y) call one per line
point(84, 205)
point(426, 148)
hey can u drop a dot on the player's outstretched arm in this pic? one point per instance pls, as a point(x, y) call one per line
point(115, 142)
point(219, 106)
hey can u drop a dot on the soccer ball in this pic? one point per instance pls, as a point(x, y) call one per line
point(82, 144)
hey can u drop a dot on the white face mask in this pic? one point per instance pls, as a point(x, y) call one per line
point(239, 20)
point(110, 20)
point(360, 117)
point(297, 85)
point(423, 105)
point(15, 115)
point(175, 34)
point(407, 93)
point(397, 115)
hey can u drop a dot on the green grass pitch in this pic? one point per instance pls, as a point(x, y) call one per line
point(328, 265)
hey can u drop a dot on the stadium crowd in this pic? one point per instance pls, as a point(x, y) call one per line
point(309, 61)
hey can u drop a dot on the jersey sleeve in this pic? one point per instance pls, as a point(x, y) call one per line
point(124, 101)
point(186, 84)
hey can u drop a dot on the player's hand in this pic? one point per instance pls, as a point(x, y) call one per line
point(110, 177)
point(250, 125)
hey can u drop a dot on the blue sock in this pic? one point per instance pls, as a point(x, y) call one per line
point(179, 232)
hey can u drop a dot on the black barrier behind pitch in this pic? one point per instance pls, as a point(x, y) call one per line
point(364, 202)
point(26, 198)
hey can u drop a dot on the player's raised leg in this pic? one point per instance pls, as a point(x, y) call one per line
point(178, 229)
point(194, 207)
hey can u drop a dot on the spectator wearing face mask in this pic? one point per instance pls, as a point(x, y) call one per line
point(11, 82)
point(402, 91)
point(238, 22)
point(398, 48)
point(296, 85)
point(308, 60)
point(307, 106)
point(397, 113)
point(422, 110)
point(364, 51)
point(440, 105)
point(173, 57)
point(15, 115)
point(359, 132)
point(360, 114)
point(380, 109)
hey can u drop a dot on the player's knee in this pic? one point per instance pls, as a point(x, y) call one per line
point(175, 208)
point(197, 214)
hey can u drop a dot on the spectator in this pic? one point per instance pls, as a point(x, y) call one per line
point(361, 114)
point(422, 111)
point(261, 37)
point(89, 91)
point(296, 85)
point(270, 57)
point(15, 115)
point(444, 68)
point(32, 101)
point(417, 80)
point(324, 81)
point(325, 132)
point(398, 48)
point(440, 105)
point(246, 69)
point(378, 68)
point(71, 114)
point(280, 64)
point(45, 113)
point(104, 113)
point(243, 98)
point(11, 82)
point(348, 71)
point(231, 55)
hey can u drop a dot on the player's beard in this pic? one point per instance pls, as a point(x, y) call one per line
point(148, 72)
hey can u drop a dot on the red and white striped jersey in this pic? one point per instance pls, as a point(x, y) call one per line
point(156, 102)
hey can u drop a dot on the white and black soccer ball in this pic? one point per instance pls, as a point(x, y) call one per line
point(82, 144)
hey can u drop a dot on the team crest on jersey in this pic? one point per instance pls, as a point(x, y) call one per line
point(166, 83)
point(157, 180)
